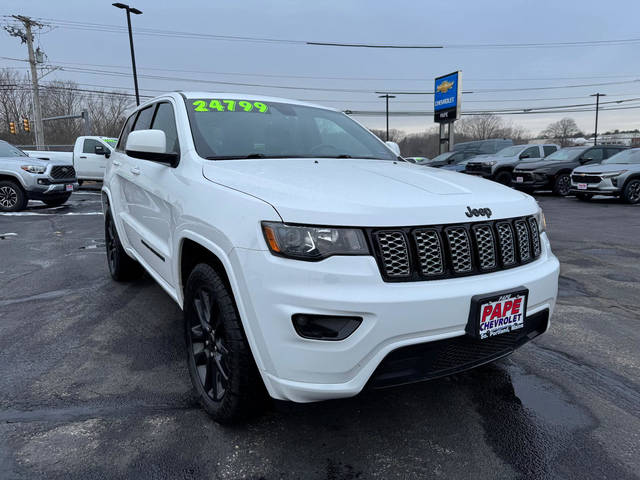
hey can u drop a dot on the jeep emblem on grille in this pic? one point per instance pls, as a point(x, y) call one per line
point(478, 212)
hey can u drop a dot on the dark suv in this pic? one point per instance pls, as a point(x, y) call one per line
point(553, 172)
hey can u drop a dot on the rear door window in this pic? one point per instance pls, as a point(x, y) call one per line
point(611, 151)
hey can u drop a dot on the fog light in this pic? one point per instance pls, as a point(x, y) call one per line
point(325, 327)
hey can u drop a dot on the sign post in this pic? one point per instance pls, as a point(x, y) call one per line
point(447, 100)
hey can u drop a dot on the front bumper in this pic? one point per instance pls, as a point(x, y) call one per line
point(604, 187)
point(395, 315)
point(530, 179)
point(50, 189)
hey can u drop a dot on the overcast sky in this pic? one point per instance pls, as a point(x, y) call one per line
point(460, 25)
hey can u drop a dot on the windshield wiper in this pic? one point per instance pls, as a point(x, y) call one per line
point(239, 157)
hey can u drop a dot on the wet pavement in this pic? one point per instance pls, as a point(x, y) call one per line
point(93, 378)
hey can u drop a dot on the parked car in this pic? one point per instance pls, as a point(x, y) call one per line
point(482, 147)
point(311, 262)
point(418, 160)
point(554, 172)
point(23, 178)
point(89, 156)
point(499, 167)
point(451, 158)
point(617, 176)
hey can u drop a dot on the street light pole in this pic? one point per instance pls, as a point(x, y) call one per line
point(387, 97)
point(135, 11)
point(597, 95)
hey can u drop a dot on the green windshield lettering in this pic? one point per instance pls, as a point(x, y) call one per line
point(227, 105)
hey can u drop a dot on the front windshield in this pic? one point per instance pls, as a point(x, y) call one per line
point(624, 157)
point(565, 154)
point(226, 129)
point(510, 151)
point(8, 150)
point(441, 157)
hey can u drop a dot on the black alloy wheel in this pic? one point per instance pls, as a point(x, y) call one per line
point(562, 186)
point(12, 198)
point(121, 266)
point(632, 192)
point(207, 344)
point(221, 366)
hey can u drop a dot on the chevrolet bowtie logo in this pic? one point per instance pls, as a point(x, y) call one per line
point(444, 87)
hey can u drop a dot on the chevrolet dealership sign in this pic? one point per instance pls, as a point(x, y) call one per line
point(447, 97)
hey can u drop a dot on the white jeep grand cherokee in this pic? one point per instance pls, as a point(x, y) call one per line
point(310, 259)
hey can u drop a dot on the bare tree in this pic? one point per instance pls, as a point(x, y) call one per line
point(562, 131)
point(479, 127)
point(395, 135)
point(106, 109)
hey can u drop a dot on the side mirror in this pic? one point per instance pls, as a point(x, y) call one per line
point(99, 150)
point(150, 145)
point(586, 159)
point(394, 147)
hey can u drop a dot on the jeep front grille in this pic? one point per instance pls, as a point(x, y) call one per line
point(442, 251)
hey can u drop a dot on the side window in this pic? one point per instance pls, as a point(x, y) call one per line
point(90, 145)
point(533, 152)
point(549, 149)
point(144, 118)
point(611, 151)
point(125, 133)
point(595, 154)
point(165, 120)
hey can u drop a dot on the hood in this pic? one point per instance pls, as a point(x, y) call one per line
point(366, 192)
point(607, 167)
point(33, 161)
point(45, 158)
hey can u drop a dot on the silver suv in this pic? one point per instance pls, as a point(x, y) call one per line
point(618, 175)
point(24, 178)
point(499, 166)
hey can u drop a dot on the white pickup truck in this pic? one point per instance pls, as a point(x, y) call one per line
point(89, 156)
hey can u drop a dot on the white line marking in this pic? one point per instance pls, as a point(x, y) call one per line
point(8, 234)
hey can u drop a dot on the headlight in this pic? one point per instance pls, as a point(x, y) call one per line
point(489, 164)
point(542, 221)
point(313, 243)
point(33, 168)
point(612, 174)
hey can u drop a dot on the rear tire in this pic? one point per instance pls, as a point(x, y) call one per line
point(585, 197)
point(504, 178)
point(562, 185)
point(121, 266)
point(12, 197)
point(58, 201)
point(221, 366)
point(631, 193)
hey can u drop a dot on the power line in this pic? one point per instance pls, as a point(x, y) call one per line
point(473, 46)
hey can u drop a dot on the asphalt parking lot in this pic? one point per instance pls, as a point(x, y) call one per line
point(94, 384)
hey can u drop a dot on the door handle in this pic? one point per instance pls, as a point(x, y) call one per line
point(83, 157)
point(135, 170)
point(116, 163)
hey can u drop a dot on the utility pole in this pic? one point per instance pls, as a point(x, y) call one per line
point(26, 36)
point(387, 97)
point(597, 95)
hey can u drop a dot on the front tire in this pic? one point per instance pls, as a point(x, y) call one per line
point(504, 178)
point(12, 197)
point(121, 266)
point(221, 367)
point(562, 185)
point(631, 193)
point(58, 201)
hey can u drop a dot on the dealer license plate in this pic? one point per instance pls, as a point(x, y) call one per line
point(519, 179)
point(498, 313)
point(69, 188)
point(582, 186)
